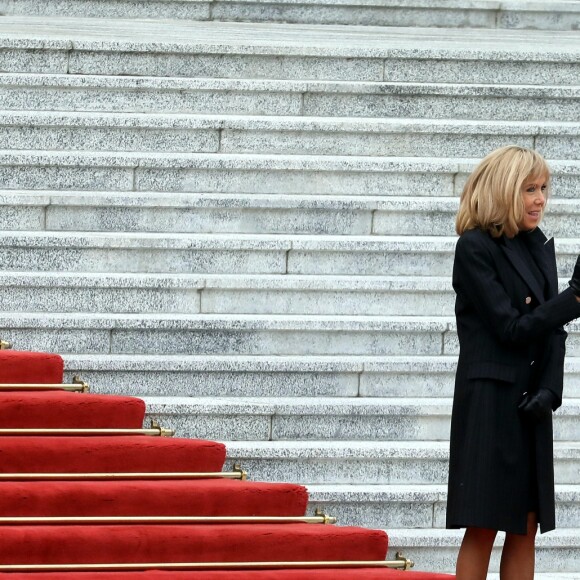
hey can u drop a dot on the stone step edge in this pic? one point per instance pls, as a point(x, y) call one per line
point(282, 85)
point(259, 242)
point(184, 201)
point(321, 363)
point(340, 492)
point(442, 538)
point(302, 406)
point(223, 321)
point(542, 575)
point(347, 450)
point(280, 39)
point(282, 282)
point(184, 121)
point(253, 161)
point(170, 322)
point(492, 5)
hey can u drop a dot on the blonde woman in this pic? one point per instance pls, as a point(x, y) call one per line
point(510, 321)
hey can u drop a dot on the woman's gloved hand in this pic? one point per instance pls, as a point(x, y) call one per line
point(575, 280)
point(538, 405)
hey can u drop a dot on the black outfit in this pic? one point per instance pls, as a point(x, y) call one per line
point(510, 321)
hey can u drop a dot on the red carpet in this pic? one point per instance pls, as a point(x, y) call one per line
point(183, 543)
point(206, 497)
point(326, 574)
point(30, 367)
point(147, 542)
point(64, 410)
point(108, 454)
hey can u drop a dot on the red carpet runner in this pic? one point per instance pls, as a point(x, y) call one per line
point(38, 479)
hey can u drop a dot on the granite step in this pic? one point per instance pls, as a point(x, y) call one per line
point(94, 211)
point(557, 553)
point(323, 418)
point(191, 294)
point(411, 506)
point(288, 135)
point(251, 173)
point(430, 13)
point(228, 335)
point(209, 334)
point(451, 341)
point(369, 462)
point(239, 254)
point(247, 50)
point(544, 576)
point(132, 94)
point(278, 376)
point(187, 213)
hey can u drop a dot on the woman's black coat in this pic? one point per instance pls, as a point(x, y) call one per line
point(511, 341)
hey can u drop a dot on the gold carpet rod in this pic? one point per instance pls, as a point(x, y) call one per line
point(121, 476)
point(159, 432)
point(154, 431)
point(103, 520)
point(77, 385)
point(400, 563)
point(5, 345)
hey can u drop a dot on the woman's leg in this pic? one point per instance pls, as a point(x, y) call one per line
point(474, 554)
point(519, 553)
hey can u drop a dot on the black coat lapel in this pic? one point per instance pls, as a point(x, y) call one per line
point(513, 254)
point(544, 253)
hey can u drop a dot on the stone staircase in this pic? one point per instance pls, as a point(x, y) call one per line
point(510, 14)
point(251, 226)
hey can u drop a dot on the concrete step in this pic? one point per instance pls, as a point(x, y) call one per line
point(186, 213)
point(250, 173)
point(557, 553)
point(239, 254)
point(284, 335)
point(97, 93)
point(368, 462)
point(94, 211)
point(451, 342)
point(278, 376)
point(240, 50)
point(411, 506)
point(323, 419)
point(147, 132)
point(544, 576)
point(438, 13)
point(191, 294)
point(231, 335)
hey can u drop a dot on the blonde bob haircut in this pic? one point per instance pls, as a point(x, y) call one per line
point(491, 199)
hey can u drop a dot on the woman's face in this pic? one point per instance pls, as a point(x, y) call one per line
point(534, 197)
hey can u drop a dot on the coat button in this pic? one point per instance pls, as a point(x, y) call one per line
point(528, 299)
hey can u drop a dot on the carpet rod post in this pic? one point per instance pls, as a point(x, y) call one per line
point(326, 519)
point(5, 345)
point(161, 431)
point(238, 469)
point(84, 385)
point(404, 563)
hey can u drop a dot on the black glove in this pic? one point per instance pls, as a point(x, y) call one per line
point(575, 281)
point(537, 406)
